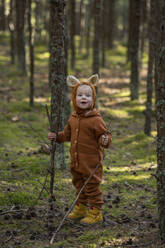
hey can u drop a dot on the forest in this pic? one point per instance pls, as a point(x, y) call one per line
point(41, 43)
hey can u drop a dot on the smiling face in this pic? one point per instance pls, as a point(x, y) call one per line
point(84, 97)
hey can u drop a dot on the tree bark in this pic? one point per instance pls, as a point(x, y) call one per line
point(11, 26)
point(130, 23)
point(96, 40)
point(72, 32)
point(151, 60)
point(111, 23)
point(103, 33)
point(31, 56)
point(2, 16)
point(134, 49)
point(37, 11)
point(160, 116)
point(67, 110)
point(89, 7)
point(143, 34)
point(81, 26)
point(20, 36)
point(57, 75)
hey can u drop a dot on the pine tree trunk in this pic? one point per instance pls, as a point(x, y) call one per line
point(81, 26)
point(88, 25)
point(160, 116)
point(157, 38)
point(37, 11)
point(111, 23)
point(20, 36)
point(72, 32)
point(96, 41)
point(11, 26)
point(130, 23)
point(67, 110)
point(31, 56)
point(2, 16)
point(143, 33)
point(103, 35)
point(57, 74)
point(151, 59)
point(134, 49)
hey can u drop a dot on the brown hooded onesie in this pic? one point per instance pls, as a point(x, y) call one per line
point(84, 130)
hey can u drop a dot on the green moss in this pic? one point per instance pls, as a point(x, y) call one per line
point(129, 164)
point(17, 198)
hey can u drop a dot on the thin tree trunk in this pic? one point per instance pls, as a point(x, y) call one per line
point(67, 110)
point(81, 26)
point(160, 114)
point(103, 36)
point(31, 55)
point(134, 49)
point(2, 15)
point(72, 32)
point(37, 10)
point(20, 36)
point(57, 76)
point(111, 23)
point(151, 60)
point(143, 20)
point(96, 40)
point(88, 18)
point(130, 23)
point(11, 26)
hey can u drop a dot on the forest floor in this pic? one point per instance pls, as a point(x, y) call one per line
point(129, 185)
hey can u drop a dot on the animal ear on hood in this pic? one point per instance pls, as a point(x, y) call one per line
point(94, 79)
point(72, 81)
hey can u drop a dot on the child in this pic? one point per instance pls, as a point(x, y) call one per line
point(88, 135)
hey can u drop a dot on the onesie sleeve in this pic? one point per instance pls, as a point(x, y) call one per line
point(100, 129)
point(64, 135)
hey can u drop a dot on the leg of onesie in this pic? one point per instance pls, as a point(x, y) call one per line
point(78, 182)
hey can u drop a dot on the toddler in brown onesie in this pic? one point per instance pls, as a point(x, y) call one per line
point(88, 135)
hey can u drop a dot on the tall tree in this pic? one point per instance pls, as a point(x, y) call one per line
point(37, 13)
point(67, 109)
point(103, 33)
point(80, 25)
point(143, 28)
point(88, 18)
point(111, 25)
point(134, 49)
point(11, 26)
point(57, 75)
point(130, 23)
point(31, 55)
point(72, 20)
point(2, 15)
point(160, 116)
point(20, 35)
point(96, 40)
point(151, 59)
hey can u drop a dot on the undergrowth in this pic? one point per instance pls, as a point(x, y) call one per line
point(129, 185)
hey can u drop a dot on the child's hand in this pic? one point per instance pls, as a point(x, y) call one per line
point(51, 136)
point(104, 139)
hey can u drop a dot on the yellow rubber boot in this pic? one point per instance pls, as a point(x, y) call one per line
point(94, 216)
point(78, 212)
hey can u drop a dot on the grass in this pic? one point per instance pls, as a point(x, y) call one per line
point(129, 184)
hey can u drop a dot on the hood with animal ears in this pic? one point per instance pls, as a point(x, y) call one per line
point(74, 83)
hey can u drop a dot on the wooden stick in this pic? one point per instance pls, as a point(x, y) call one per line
point(73, 204)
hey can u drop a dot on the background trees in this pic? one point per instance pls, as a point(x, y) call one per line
point(89, 33)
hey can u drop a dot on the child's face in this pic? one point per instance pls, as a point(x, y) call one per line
point(84, 97)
